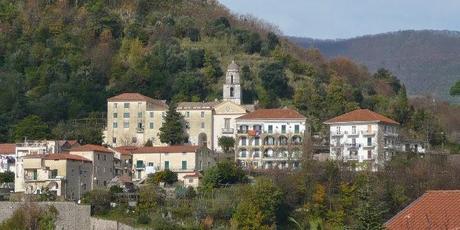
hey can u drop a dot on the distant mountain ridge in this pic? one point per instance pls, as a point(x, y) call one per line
point(426, 61)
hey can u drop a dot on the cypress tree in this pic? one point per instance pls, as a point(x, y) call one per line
point(172, 131)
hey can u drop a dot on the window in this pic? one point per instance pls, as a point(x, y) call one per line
point(126, 124)
point(231, 79)
point(151, 164)
point(114, 140)
point(115, 115)
point(105, 183)
point(283, 128)
point(243, 141)
point(166, 164)
point(151, 114)
point(202, 125)
point(139, 164)
point(115, 105)
point(270, 129)
point(125, 115)
point(353, 129)
point(232, 92)
point(257, 141)
point(353, 141)
point(190, 180)
point(151, 125)
point(126, 105)
point(54, 174)
point(338, 129)
point(98, 156)
point(187, 114)
point(227, 123)
point(115, 125)
point(369, 154)
point(184, 165)
point(105, 157)
point(134, 139)
point(139, 114)
point(202, 114)
point(369, 141)
point(296, 128)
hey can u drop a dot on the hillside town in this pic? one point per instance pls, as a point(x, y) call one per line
point(193, 114)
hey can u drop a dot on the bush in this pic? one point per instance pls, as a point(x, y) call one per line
point(166, 176)
point(30, 216)
point(143, 219)
point(226, 172)
point(7, 177)
point(115, 189)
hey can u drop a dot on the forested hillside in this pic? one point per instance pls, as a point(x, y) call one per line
point(60, 60)
point(425, 61)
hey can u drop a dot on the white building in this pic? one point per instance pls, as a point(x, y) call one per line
point(7, 157)
point(269, 138)
point(363, 136)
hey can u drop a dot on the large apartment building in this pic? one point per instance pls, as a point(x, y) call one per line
point(134, 119)
point(363, 136)
point(271, 138)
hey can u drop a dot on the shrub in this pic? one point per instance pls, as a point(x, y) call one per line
point(166, 176)
point(99, 201)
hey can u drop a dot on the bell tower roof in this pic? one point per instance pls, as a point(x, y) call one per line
point(233, 66)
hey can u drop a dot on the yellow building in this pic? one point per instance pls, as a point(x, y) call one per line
point(182, 159)
point(133, 119)
point(65, 175)
point(199, 121)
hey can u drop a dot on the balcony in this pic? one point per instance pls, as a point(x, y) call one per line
point(355, 134)
point(337, 134)
point(368, 133)
point(369, 146)
point(352, 146)
point(387, 134)
point(227, 130)
point(139, 130)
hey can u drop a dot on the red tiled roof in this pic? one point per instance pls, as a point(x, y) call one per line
point(195, 174)
point(66, 156)
point(361, 115)
point(136, 97)
point(126, 150)
point(438, 209)
point(272, 114)
point(90, 148)
point(7, 148)
point(168, 149)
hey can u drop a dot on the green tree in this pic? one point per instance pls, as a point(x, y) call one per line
point(99, 201)
point(166, 176)
point(455, 90)
point(400, 107)
point(225, 172)
point(172, 131)
point(32, 128)
point(226, 143)
point(369, 212)
point(7, 177)
point(259, 206)
point(150, 198)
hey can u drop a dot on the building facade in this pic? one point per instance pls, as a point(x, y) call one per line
point(133, 119)
point(271, 138)
point(7, 157)
point(182, 159)
point(232, 87)
point(363, 136)
point(198, 117)
point(102, 163)
point(63, 174)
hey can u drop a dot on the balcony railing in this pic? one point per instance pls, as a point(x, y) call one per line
point(387, 134)
point(140, 130)
point(337, 134)
point(227, 130)
point(368, 146)
point(353, 134)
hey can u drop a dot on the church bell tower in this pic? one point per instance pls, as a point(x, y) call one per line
point(232, 87)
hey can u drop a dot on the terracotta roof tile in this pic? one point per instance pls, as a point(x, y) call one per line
point(126, 150)
point(136, 97)
point(7, 148)
point(91, 148)
point(273, 114)
point(66, 156)
point(197, 105)
point(433, 210)
point(361, 115)
point(168, 149)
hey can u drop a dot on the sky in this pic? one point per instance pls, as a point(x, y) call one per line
point(333, 19)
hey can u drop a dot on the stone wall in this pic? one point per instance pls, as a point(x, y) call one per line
point(100, 224)
point(71, 215)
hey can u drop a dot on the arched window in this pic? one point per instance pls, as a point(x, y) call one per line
point(231, 79)
point(232, 92)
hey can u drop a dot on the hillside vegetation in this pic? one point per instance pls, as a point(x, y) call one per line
point(425, 61)
point(60, 60)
